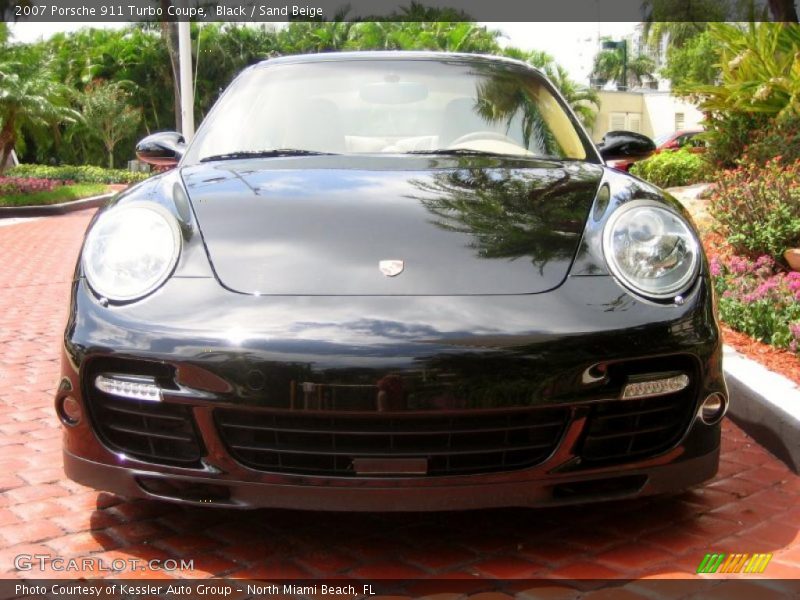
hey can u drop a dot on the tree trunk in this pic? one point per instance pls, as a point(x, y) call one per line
point(170, 35)
point(7, 142)
point(783, 10)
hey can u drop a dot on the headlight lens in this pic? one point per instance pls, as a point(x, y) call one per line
point(651, 249)
point(131, 250)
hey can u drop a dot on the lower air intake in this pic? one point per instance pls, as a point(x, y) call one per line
point(452, 444)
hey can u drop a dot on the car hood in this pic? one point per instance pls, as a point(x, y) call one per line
point(325, 225)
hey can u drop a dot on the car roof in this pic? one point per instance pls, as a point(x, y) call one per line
point(396, 55)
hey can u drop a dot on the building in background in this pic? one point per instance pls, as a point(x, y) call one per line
point(650, 112)
point(648, 108)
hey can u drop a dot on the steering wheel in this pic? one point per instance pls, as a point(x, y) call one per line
point(482, 135)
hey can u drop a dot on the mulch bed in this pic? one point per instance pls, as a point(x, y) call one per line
point(775, 359)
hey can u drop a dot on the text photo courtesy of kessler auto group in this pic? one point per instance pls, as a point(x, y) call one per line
point(394, 299)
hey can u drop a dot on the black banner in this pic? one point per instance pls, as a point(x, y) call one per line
point(352, 589)
point(378, 10)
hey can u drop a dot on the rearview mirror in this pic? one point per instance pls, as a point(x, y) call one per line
point(163, 149)
point(625, 144)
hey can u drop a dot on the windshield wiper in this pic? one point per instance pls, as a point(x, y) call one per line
point(277, 152)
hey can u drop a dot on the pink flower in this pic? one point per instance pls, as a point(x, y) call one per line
point(765, 262)
point(766, 286)
point(715, 267)
point(739, 265)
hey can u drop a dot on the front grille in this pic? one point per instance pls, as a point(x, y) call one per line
point(460, 443)
point(151, 431)
point(628, 429)
point(157, 432)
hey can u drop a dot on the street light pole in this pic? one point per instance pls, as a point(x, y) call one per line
point(625, 64)
point(187, 93)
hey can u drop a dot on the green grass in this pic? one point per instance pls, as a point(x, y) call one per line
point(64, 193)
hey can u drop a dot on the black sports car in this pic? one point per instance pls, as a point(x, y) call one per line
point(390, 281)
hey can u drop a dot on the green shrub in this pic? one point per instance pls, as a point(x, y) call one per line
point(780, 140)
point(758, 208)
point(671, 169)
point(729, 133)
point(78, 174)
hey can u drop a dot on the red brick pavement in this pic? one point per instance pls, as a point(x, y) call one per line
point(752, 505)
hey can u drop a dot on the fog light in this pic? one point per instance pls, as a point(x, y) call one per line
point(649, 387)
point(134, 387)
point(69, 410)
point(713, 409)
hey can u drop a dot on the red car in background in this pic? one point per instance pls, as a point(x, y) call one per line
point(685, 138)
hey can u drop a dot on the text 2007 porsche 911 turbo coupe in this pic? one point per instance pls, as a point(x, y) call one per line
point(390, 281)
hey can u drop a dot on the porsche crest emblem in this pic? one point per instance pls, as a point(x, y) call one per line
point(391, 268)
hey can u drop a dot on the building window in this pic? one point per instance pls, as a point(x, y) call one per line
point(625, 121)
point(680, 121)
point(617, 121)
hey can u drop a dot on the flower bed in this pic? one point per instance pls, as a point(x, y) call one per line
point(35, 191)
point(756, 216)
point(759, 298)
point(758, 207)
point(28, 185)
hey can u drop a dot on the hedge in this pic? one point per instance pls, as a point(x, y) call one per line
point(78, 174)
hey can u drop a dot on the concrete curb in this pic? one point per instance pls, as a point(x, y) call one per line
point(7, 212)
point(766, 405)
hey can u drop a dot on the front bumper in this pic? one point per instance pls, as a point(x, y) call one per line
point(251, 354)
point(471, 494)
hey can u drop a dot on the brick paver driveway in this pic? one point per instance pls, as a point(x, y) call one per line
point(750, 507)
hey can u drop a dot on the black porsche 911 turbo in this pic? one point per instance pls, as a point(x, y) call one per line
point(390, 281)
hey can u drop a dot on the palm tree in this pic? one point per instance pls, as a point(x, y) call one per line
point(683, 19)
point(508, 215)
point(583, 100)
point(611, 65)
point(30, 101)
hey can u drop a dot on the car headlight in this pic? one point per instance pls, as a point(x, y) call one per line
point(131, 250)
point(651, 250)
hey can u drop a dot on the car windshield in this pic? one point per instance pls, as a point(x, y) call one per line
point(664, 137)
point(392, 106)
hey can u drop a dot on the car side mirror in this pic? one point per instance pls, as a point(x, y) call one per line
point(625, 144)
point(164, 149)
